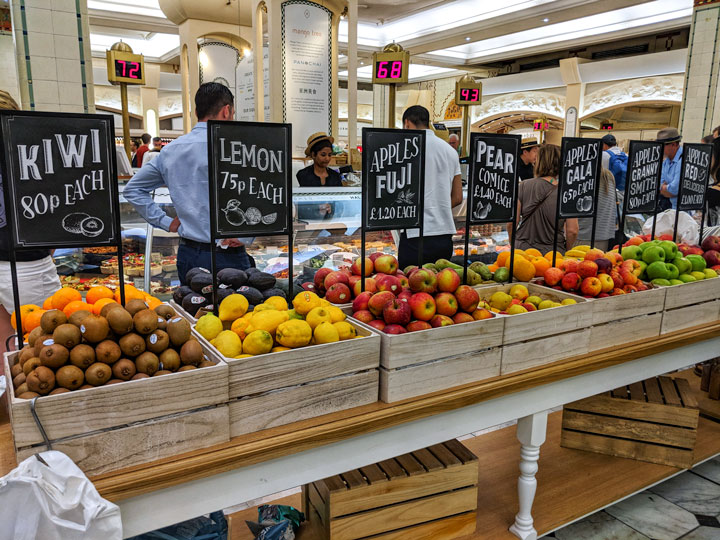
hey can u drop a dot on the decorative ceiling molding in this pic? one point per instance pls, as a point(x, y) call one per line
point(526, 102)
point(665, 89)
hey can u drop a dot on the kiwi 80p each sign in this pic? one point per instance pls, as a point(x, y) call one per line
point(250, 189)
point(59, 179)
point(579, 175)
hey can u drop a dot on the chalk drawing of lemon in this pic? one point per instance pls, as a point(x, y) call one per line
point(253, 216)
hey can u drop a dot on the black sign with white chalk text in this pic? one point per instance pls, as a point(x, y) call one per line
point(694, 175)
point(579, 174)
point(60, 184)
point(642, 180)
point(250, 183)
point(393, 176)
point(492, 188)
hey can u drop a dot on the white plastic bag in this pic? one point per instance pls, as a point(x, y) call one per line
point(54, 502)
point(688, 230)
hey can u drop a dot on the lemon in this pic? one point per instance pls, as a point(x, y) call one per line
point(239, 326)
point(280, 348)
point(278, 302)
point(336, 314)
point(267, 320)
point(568, 301)
point(345, 330)
point(317, 316)
point(516, 309)
point(258, 342)
point(228, 343)
point(545, 304)
point(293, 334)
point(233, 307)
point(305, 301)
point(244, 356)
point(324, 303)
point(264, 307)
point(326, 333)
point(209, 326)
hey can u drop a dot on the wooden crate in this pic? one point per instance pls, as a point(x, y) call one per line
point(616, 333)
point(116, 426)
point(653, 420)
point(689, 315)
point(180, 311)
point(427, 494)
point(692, 293)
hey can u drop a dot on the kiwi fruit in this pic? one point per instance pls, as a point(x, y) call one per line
point(113, 381)
point(31, 364)
point(120, 321)
point(179, 331)
point(28, 395)
point(135, 305)
point(170, 360)
point(42, 341)
point(187, 368)
point(86, 386)
point(165, 311)
point(19, 379)
point(78, 317)
point(15, 370)
point(148, 363)
point(50, 320)
point(33, 335)
point(94, 328)
point(191, 353)
point(132, 345)
point(145, 321)
point(26, 353)
point(139, 376)
point(108, 352)
point(82, 356)
point(162, 372)
point(98, 374)
point(59, 391)
point(157, 342)
point(162, 323)
point(107, 308)
point(124, 369)
point(67, 335)
point(205, 363)
point(54, 356)
point(22, 389)
point(70, 377)
point(41, 380)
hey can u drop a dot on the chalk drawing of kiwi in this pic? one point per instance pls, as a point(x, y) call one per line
point(72, 222)
point(91, 226)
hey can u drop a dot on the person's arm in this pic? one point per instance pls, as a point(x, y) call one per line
point(671, 184)
point(137, 192)
point(509, 224)
point(456, 194)
point(571, 232)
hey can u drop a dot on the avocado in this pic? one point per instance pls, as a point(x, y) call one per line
point(180, 293)
point(232, 277)
point(192, 302)
point(261, 281)
point(274, 292)
point(252, 295)
point(195, 271)
point(201, 283)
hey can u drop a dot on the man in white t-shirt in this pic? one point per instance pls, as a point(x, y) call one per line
point(443, 191)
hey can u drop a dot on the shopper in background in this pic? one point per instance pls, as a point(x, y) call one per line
point(606, 216)
point(454, 141)
point(528, 157)
point(133, 152)
point(36, 272)
point(670, 177)
point(182, 166)
point(443, 191)
point(615, 160)
point(144, 147)
point(153, 152)
point(537, 206)
point(716, 132)
point(707, 139)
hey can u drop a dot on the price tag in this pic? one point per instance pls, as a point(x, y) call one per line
point(579, 174)
point(642, 180)
point(694, 176)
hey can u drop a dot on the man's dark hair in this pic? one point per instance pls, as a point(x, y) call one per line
point(707, 139)
point(157, 139)
point(210, 98)
point(417, 115)
point(145, 138)
point(716, 130)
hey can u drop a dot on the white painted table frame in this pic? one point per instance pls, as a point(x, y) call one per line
point(164, 507)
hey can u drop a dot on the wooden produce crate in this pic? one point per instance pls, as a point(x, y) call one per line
point(653, 420)
point(180, 311)
point(428, 494)
point(112, 427)
point(691, 304)
point(279, 388)
point(541, 337)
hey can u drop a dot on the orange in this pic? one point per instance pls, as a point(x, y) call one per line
point(533, 252)
point(493, 267)
point(541, 264)
point(97, 306)
point(130, 292)
point(48, 303)
point(549, 256)
point(98, 292)
point(64, 296)
point(152, 302)
point(27, 317)
point(76, 305)
point(503, 257)
point(523, 270)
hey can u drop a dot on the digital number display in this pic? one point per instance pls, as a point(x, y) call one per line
point(540, 125)
point(606, 127)
point(389, 69)
point(129, 70)
point(470, 94)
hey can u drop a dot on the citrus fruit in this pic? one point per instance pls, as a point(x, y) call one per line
point(64, 296)
point(278, 302)
point(503, 257)
point(318, 316)
point(233, 307)
point(541, 264)
point(258, 342)
point(336, 314)
point(130, 292)
point(209, 326)
point(523, 270)
point(305, 301)
point(47, 304)
point(75, 305)
point(27, 312)
point(345, 330)
point(99, 304)
point(228, 343)
point(267, 320)
point(293, 334)
point(98, 292)
point(326, 333)
point(239, 326)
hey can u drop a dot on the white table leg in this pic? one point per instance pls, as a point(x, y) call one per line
point(531, 434)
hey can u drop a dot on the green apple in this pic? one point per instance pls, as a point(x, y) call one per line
point(652, 254)
point(683, 265)
point(658, 270)
point(534, 300)
point(661, 282)
point(698, 263)
point(670, 248)
point(673, 271)
point(710, 273)
point(686, 278)
point(676, 282)
point(643, 269)
point(697, 275)
point(631, 252)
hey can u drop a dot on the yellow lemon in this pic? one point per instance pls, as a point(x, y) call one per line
point(267, 320)
point(228, 343)
point(345, 330)
point(336, 314)
point(278, 302)
point(239, 326)
point(232, 307)
point(324, 303)
point(293, 334)
point(244, 356)
point(280, 348)
point(258, 342)
point(317, 316)
point(209, 326)
point(264, 307)
point(326, 333)
point(305, 301)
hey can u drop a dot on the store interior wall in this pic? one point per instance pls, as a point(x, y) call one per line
point(8, 66)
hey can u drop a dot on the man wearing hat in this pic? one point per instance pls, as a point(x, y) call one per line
point(614, 160)
point(670, 177)
point(528, 155)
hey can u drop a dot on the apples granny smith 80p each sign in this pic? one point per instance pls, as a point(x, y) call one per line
point(250, 186)
point(393, 165)
point(694, 176)
point(579, 175)
point(60, 185)
point(642, 180)
point(492, 189)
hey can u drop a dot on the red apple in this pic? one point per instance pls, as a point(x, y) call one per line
point(336, 277)
point(634, 241)
point(373, 256)
point(356, 267)
point(422, 280)
point(607, 283)
point(632, 266)
point(308, 286)
point(446, 304)
point(467, 298)
point(389, 283)
point(617, 279)
point(319, 278)
point(553, 276)
point(370, 286)
point(363, 316)
point(712, 257)
point(614, 257)
point(628, 277)
point(630, 288)
point(448, 280)
point(570, 265)
point(394, 329)
point(361, 301)
point(387, 264)
point(339, 293)
point(377, 324)
point(352, 280)
point(587, 268)
point(397, 312)
point(571, 281)
point(416, 326)
point(529, 306)
point(711, 243)
point(440, 320)
point(591, 286)
point(461, 317)
point(405, 295)
point(716, 268)
point(593, 254)
point(422, 306)
point(617, 291)
point(603, 295)
point(378, 301)
point(404, 283)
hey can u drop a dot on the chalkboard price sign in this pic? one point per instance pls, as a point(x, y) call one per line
point(60, 181)
point(492, 190)
point(579, 174)
point(250, 186)
point(694, 176)
point(642, 180)
point(393, 168)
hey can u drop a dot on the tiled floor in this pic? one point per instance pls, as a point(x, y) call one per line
point(684, 507)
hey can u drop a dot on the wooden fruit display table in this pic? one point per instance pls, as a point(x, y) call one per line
point(157, 494)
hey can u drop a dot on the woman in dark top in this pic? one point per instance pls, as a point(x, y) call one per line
point(319, 148)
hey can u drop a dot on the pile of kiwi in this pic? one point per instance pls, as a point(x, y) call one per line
point(121, 344)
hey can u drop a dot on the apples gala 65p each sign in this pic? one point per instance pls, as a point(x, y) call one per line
point(493, 178)
point(579, 174)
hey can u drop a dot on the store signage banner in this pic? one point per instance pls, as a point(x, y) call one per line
point(694, 176)
point(307, 46)
point(492, 187)
point(642, 180)
point(250, 184)
point(245, 87)
point(393, 178)
point(59, 176)
point(579, 175)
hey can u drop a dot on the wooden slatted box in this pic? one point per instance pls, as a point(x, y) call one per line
point(653, 420)
point(430, 494)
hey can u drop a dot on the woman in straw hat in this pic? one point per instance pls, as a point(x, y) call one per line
point(319, 148)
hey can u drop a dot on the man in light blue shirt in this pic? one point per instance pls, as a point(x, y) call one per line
point(182, 166)
point(670, 177)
